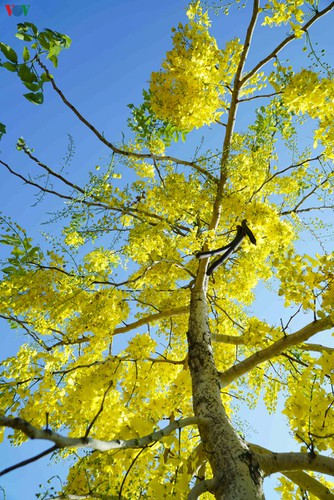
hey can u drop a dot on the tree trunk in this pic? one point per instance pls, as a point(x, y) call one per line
point(232, 462)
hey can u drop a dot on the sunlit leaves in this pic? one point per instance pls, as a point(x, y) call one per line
point(47, 42)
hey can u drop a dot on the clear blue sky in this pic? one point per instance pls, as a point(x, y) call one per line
point(116, 45)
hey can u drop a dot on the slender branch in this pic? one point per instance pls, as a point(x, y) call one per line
point(77, 497)
point(38, 186)
point(309, 194)
point(128, 472)
point(284, 170)
point(29, 460)
point(309, 209)
point(149, 319)
point(51, 172)
point(100, 410)
point(114, 148)
point(251, 98)
point(275, 349)
point(133, 212)
point(285, 42)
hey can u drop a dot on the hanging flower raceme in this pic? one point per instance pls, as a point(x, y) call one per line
point(189, 89)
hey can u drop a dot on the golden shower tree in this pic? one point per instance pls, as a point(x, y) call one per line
point(140, 353)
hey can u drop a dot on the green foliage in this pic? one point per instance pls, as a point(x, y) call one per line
point(147, 126)
point(22, 251)
point(47, 43)
point(2, 129)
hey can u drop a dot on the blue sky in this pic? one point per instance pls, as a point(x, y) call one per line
point(115, 46)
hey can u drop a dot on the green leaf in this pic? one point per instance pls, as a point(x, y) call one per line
point(10, 66)
point(9, 270)
point(44, 78)
point(43, 41)
point(8, 52)
point(17, 251)
point(54, 60)
point(37, 98)
point(26, 74)
point(24, 37)
point(34, 87)
point(20, 144)
point(26, 54)
point(25, 27)
point(10, 239)
point(2, 129)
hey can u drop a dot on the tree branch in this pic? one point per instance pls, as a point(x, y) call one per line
point(51, 172)
point(310, 484)
point(216, 212)
point(284, 170)
point(29, 460)
point(95, 444)
point(275, 349)
point(114, 148)
point(202, 487)
point(227, 339)
point(271, 462)
point(251, 98)
point(285, 42)
point(318, 348)
point(133, 212)
point(149, 319)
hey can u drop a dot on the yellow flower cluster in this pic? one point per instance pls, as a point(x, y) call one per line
point(74, 239)
point(307, 94)
point(283, 12)
point(188, 90)
point(101, 261)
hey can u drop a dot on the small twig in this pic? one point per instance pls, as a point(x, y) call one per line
point(29, 460)
point(100, 410)
point(112, 146)
point(259, 96)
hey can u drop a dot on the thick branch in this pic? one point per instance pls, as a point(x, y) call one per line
point(275, 349)
point(292, 466)
point(202, 487)
point(95, 444)
point(310, 484)
point(151, 318)
point(227, 339)
point(318, 348)
point(271, 463)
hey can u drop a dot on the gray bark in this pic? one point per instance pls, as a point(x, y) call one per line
point(237, 473)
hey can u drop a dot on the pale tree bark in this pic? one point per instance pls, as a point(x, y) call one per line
point(235, 470)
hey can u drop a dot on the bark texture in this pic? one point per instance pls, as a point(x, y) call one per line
point(233, 464)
